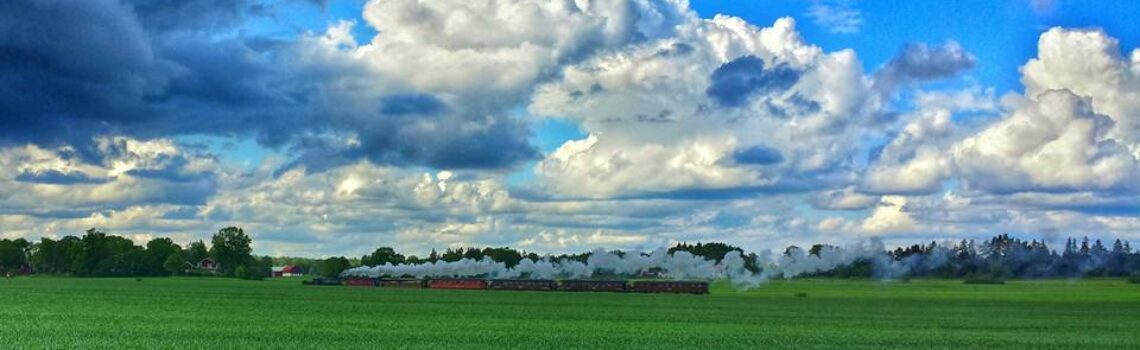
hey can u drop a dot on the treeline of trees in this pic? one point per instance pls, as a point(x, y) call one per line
point(1002, 256)
point(387, 255)
point(98, 254)
point(1005, 256)
point(998, 258)
point(507, 256)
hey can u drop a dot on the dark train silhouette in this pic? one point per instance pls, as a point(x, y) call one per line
point(618, 286)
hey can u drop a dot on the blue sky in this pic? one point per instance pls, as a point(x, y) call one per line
point(332, 127)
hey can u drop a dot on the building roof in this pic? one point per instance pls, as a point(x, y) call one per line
point(287, 269)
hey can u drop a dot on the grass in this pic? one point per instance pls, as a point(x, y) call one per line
point(225, 313)
point(983, 279)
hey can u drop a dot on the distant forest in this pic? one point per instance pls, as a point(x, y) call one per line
point(99, 254)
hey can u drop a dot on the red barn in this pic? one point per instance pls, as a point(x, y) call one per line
point(287, 271)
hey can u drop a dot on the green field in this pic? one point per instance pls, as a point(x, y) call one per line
point(224, 313)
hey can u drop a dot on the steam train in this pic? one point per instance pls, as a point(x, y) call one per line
point(617, 286)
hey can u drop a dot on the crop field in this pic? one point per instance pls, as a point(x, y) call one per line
point(802, 314)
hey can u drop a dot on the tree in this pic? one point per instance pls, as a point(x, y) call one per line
point(332, 267)
point(12, 256)
point(111, 256)
point(253, 273)
point(158, 252)
point(473, 254)
point(197, 252)
point(44, 257)
point(381, 256)
point(452, 255)
point(74, 254)
point(507, 256)
point(174, 264)
point(716, 251)
point(230, 247)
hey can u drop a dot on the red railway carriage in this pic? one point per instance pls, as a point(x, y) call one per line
point(522, 284)
point(592, 286)
point(670, 287)
point(457, 283)
point(360, 282)
point(401, 283)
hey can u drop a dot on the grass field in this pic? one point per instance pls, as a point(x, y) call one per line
point(835, 314)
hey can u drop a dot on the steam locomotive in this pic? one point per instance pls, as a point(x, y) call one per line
point(617, 286)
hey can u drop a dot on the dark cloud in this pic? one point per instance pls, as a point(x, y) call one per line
point(443, 142)
point(452, 142)
point(758, 155)
point(55, 177)
point(919, 62)
point(733, 83)
point(74, 70)
point(171, 15)
point(171, 174)
point(404, 104)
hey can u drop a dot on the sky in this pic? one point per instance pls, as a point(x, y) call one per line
point(334, 127)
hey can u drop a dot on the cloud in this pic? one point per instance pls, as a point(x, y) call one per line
point(1089, 63)
point(56, 177)
point(403, 104)
point(915, 161)
point(788, 99)
point(173, 16)
point(759, 155)
point(51, 181)
point(167, 73)
point(696, 129)
point(64, 63)
point(1052, 143)
point(844, 199)
point(890, 217)
point(838, 16)
point(733, 82)
point(1043, 7)
point(919, 62)
point(973, 99)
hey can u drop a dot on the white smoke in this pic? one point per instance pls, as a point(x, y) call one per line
point(680, 265)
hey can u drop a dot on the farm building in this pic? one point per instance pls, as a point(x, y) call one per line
point(287, 271)
point(208, 264)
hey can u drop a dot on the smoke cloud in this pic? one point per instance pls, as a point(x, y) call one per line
point(679, 265)
point(1001, 257)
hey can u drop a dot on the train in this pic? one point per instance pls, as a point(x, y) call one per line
point(545, 285)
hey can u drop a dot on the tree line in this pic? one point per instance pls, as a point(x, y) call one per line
point(99, 254)
point(1004, 256)
point(1000, 257)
